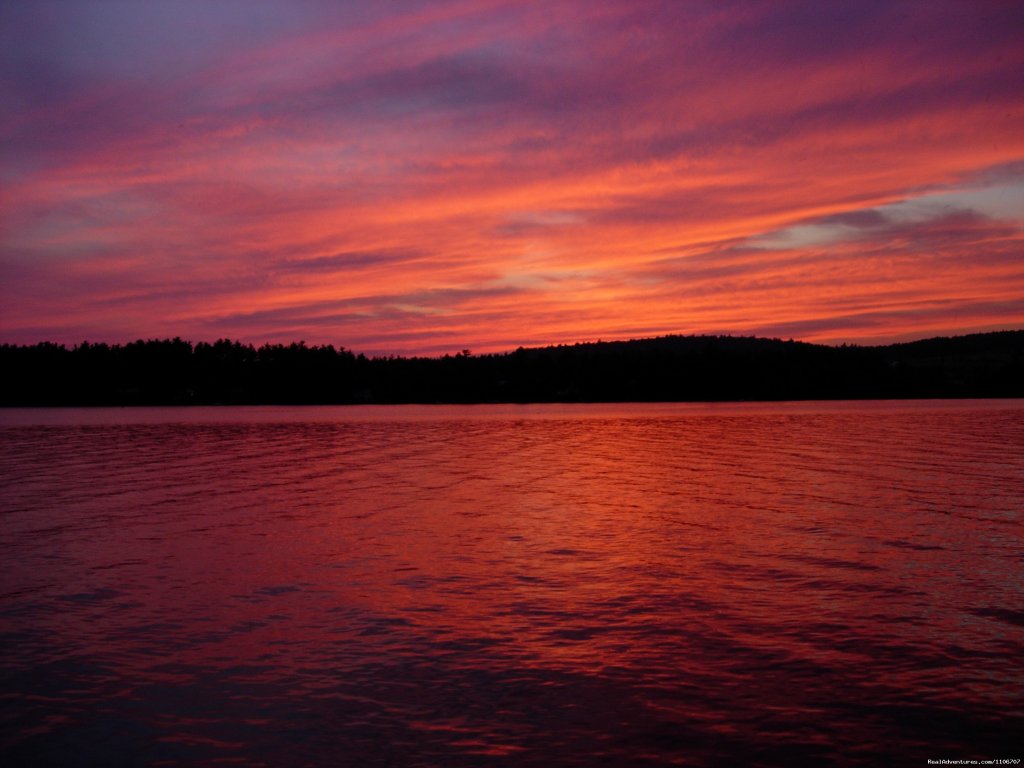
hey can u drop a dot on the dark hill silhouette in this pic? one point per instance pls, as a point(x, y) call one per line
point(669, 368)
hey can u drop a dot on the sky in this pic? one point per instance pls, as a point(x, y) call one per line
point(426, 177)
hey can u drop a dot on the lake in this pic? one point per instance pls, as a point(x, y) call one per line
point(623, 585)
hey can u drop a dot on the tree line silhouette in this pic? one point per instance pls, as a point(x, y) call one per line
point(669, 368)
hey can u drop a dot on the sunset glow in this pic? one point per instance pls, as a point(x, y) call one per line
point(423, 177)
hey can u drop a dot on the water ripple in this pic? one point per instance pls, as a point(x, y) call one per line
point(586, 585)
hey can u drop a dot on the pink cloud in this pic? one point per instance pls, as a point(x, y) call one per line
point(541, 174)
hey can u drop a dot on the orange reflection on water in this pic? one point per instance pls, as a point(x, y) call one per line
point(521, 583)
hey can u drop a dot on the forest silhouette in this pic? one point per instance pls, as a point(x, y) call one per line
point(669, 368)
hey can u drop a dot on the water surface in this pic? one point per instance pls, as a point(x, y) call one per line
point(750, 584)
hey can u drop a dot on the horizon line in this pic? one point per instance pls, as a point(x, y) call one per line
point(466, 351)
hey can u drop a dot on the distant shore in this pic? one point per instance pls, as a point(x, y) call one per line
point(664, 369)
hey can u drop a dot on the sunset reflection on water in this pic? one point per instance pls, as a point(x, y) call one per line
point(573, 585)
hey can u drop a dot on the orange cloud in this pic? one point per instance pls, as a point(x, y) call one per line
point(486, 175)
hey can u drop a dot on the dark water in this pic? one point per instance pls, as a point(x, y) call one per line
point(746, 585)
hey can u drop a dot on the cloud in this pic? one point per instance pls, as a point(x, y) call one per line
point(868, 218)
point(682, 166)
point(347, 261)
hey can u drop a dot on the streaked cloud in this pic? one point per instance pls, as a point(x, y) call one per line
point(401, 178)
